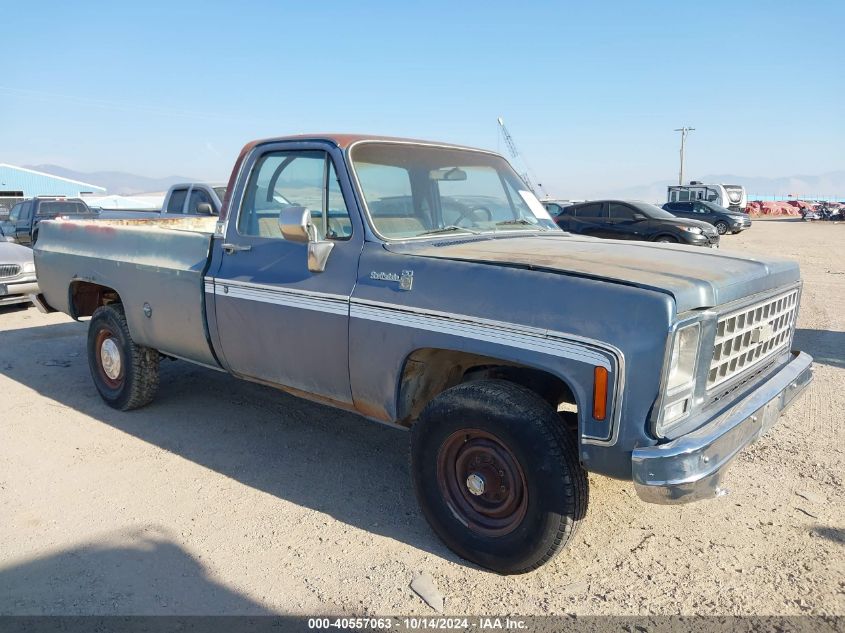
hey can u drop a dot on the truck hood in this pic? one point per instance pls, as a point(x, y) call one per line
point(696, 277)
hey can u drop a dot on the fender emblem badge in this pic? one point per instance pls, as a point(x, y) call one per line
point(406, 279)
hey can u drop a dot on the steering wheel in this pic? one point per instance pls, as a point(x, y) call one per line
point(470, 214)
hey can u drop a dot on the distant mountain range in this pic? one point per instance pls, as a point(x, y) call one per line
point(831, 184)
point(115, 182)
point(826, 185)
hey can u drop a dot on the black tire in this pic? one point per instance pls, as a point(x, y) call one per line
point(34, 239)
point(134, 381)
point(512, 423)
point(721, 227)
point(666, 239)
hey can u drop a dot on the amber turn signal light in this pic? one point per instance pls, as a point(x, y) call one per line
point(599, 393)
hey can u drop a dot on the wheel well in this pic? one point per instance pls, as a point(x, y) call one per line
point(428, 372)
point(87, 296)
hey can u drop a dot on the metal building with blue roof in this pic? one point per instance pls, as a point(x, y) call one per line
point(20, 182)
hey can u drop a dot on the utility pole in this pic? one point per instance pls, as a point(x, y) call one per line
point(684, 131)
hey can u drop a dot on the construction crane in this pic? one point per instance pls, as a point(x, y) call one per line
point(526, 175)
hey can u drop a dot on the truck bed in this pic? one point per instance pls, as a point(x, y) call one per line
point(159, 264)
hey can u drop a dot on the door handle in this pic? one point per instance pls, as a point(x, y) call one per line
point(231, 249)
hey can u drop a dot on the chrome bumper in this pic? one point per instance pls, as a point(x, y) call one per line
point(18, 292)
point(691, 467)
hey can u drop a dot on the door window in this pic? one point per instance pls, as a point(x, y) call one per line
point(198, 197)
point(305, 178)
point(589, 210)
point(26, 211)
point(618, 211)
point(15, 213)
point(177, 201)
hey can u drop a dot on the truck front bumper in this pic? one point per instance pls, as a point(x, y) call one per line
point(691, 467)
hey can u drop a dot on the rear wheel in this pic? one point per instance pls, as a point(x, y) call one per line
point(497, 476)
point(125, 374)
point(721, 227)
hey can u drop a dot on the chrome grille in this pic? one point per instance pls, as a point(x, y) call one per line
point(9, 270)
point(747, 337)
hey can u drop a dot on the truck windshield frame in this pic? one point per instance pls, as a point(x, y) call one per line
point(418, 191)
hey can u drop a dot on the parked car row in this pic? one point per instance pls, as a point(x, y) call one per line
point(634, 220)
point(424, 286)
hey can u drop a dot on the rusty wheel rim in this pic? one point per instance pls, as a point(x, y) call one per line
point(482, 482)
point(110, 363)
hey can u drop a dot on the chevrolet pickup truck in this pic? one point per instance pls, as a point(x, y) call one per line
point(423, 285)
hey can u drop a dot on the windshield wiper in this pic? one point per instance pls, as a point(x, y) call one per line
point(522, 221)
point(451, 227)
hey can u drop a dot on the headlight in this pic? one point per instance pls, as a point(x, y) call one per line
point(28, 267)
point(691, 229)
point(680, 379)
point(684, 355)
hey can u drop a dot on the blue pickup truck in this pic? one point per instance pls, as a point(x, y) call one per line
point(422, 285)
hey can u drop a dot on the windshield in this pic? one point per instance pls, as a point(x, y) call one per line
point(416, 190)
point(651, 211)
point(221, 192)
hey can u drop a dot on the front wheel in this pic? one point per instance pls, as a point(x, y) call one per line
point(721, 227)
point(125, 373)
point(497, 476)
point(665, 239)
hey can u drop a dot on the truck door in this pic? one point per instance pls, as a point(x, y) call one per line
point(276, 321)
point(624, 223)
point(589, 219)
point(23, 226)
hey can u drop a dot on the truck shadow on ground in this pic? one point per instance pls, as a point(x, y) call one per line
point(311, 455)
point(825, 346)
point(139, 573)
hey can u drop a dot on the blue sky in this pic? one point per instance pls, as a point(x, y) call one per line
point(590, 91)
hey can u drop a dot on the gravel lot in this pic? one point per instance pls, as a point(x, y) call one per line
point(227, 497)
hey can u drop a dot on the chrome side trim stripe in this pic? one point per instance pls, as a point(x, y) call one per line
point(499, 333)
point(320, 302)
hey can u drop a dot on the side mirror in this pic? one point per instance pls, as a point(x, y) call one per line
point(296, 226)
point(294, 222)
point(639, 217)
point(203, 208)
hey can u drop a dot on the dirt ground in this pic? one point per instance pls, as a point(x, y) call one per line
point(227, 497)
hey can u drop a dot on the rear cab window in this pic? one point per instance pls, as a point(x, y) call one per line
point(60, 207)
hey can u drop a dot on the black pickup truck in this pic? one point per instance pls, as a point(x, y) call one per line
point(25, 217)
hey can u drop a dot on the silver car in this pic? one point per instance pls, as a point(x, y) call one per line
point(17, 274)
